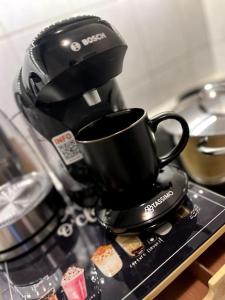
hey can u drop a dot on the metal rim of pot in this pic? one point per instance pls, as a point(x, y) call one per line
point(204, 110)
point(208, 106)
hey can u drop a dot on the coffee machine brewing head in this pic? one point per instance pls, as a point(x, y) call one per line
point(92, 97)
point(71, 58)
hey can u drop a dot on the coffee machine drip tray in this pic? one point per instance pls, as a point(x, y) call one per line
point(165, 197)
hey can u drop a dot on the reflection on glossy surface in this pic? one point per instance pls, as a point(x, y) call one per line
point(164, 229)
point(42, 287)
point(202, 217)
point(183, 212)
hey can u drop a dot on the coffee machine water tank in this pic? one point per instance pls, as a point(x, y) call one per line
point(66, 81)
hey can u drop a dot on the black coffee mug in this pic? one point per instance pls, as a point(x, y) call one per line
point(121, 148)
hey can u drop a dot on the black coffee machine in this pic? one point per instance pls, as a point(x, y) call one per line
point(66, 81)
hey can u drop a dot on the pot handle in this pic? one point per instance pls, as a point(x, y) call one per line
point(154, 122)
point(206, 150)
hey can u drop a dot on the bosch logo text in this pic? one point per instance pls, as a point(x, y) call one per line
point(76, 46)
point(94, 38)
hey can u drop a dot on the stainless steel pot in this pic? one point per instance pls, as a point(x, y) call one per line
point(22, 235)
point(29, 205)
point(204, 156)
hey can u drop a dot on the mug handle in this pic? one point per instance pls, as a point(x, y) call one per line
point(153, 124)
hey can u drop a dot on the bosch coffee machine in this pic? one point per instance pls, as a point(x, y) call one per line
point(68, 80)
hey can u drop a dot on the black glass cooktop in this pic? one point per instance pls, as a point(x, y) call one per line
point(82, 261)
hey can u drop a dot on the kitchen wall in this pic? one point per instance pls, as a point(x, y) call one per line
point(169, 45)
point(214, 11)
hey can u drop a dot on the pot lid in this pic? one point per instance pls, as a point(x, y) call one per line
point(203, 111)
point(21, 196)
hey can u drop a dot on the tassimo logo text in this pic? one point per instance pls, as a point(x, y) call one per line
point(163, 198)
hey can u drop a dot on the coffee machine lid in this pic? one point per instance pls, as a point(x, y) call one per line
point(168, 193)
point(74, 56)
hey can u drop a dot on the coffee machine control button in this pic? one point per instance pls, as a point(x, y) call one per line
point(34, 81)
